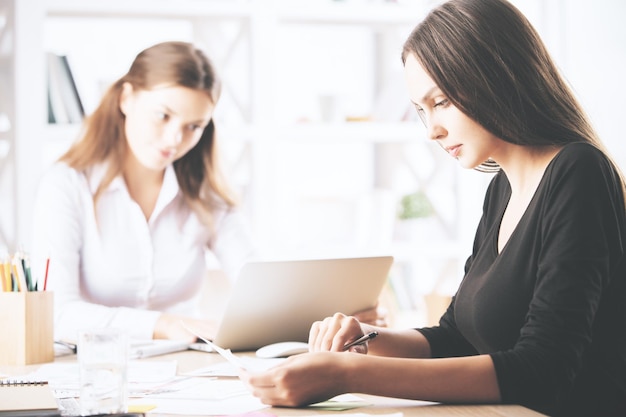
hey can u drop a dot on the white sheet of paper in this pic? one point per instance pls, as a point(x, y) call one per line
point(228, 369)
point(235, 405)
point(224, 353)
point(202, 396)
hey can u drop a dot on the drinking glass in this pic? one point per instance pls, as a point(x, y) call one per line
point(103, 363)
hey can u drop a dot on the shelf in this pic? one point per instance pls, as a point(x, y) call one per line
point(285, 12)
point(149, 8)
point(67, 132)
point(444, 249)
point(361, 132)
point(403, 252)
point(61, 131)
point(351, 14)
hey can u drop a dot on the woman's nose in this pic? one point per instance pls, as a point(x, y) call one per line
point(174, 136)
point(435, 131)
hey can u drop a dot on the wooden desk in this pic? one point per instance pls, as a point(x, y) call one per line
point(190, 360)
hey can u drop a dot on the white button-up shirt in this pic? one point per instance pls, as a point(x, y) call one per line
point(111, 267)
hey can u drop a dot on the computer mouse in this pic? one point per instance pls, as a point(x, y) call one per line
point(282, 349)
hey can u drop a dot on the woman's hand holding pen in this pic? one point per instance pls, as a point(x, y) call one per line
point(317, 375)
point(336, 332)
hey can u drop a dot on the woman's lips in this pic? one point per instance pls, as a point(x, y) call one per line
point(454, 150)
point(167, 154)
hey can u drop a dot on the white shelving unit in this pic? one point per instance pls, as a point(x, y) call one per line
point(22, 115)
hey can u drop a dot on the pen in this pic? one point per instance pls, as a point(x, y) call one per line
point(361, 340)
point(32, 285)
point(72, 346)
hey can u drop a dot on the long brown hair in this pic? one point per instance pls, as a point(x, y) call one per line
point(103, 138)
point(492, 65)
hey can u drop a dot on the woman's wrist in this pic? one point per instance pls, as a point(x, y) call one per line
point(353, 372)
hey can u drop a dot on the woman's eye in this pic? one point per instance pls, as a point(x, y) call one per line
point(194, 128)
point(162, 116)
point(442, 103)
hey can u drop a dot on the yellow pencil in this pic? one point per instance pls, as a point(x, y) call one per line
point(3, 279)
point(6, 266)
point(19, 273)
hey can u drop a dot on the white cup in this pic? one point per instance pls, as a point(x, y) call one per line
point(103, 363)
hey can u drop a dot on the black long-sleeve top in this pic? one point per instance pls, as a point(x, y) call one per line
point(550, 309)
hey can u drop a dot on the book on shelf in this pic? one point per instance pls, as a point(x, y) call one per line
point(64, 102)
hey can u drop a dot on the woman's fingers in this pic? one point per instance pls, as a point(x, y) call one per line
point(301, 379)
point(332, 333)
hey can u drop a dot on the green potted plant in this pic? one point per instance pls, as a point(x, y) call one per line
point(415, 206)
point(414, 209)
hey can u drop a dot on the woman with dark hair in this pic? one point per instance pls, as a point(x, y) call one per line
point(129, 211)
point(539, 318)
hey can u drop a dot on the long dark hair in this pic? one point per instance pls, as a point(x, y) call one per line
point(104, 140)
point(492, 65)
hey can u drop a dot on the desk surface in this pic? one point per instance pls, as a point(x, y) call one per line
point(190, 360)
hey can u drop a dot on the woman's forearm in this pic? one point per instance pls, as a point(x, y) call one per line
point(312, 377)
point(466, 379)
point(407, 343)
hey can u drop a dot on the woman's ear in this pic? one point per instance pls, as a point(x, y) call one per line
point(125, 97)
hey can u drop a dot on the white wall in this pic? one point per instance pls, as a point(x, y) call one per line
point(595, 63)
point(588, 42)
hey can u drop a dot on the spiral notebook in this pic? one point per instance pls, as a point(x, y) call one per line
point(24, 399)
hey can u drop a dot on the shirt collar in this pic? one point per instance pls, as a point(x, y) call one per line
point(169, 190)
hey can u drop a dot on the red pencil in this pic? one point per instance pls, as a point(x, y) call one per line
point(45, 277)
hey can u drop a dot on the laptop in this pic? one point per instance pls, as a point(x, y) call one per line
point(278, 301)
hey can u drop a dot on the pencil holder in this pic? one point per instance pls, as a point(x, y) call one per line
point(26, 320)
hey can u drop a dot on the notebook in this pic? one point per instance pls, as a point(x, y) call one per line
point(278, 301)
point(19, 398)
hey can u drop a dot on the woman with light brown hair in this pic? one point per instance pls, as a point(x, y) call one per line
point(129, 212)
point(539, 318)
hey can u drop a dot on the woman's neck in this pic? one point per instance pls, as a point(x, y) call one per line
point(524, 166)
point(144, 185)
